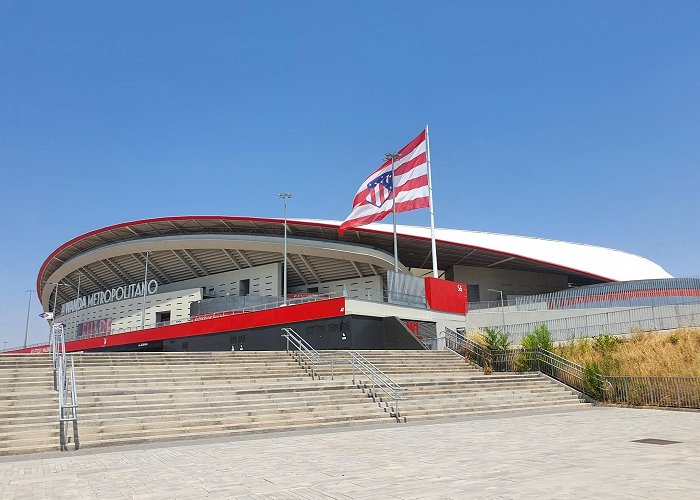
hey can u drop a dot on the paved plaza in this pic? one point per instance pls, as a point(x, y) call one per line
point(587, 453)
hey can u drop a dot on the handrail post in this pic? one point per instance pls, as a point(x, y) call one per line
point(333, 365)
point(352, 362)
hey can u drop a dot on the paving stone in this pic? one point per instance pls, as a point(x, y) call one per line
point(586, 453)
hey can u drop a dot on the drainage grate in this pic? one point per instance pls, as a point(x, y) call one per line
point(654, 441)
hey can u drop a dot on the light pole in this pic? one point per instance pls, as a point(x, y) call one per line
point(503, 314)
point(77, 296)
point(145, 292)
point(29, 307)
point(284, 197)
point(55, 293)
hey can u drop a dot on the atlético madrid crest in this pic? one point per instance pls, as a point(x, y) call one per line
point(380, 189)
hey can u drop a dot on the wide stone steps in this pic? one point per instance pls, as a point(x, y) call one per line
point(115, 420)
point(133, 398)
point(219, 428)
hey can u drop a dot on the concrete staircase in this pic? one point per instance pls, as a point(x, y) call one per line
point(28, 404)
point(129, 398)
point(133, 398)
point(441, 384)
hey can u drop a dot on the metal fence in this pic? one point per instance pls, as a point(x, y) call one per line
point(618, 322)
point(677, 392)
point(639, 293)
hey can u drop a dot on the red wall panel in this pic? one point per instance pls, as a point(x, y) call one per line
point(448, 296)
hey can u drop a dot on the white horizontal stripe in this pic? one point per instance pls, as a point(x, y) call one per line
point(367, 209)
point(400, 180)
point(418, 150)
point(411, 155)
point(412, 194)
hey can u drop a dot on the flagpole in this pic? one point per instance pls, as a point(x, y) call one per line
point(430, 199)
point(393, 211)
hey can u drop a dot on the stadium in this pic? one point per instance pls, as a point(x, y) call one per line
point(216, 282)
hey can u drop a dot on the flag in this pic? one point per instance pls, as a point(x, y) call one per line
point(408, 184)
point(46, 315)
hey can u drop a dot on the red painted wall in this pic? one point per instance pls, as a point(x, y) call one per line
point(448, 296)
point(278, 316)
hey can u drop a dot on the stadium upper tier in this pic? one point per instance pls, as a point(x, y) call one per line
point(186, 247)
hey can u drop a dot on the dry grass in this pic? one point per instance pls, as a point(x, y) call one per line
point(675, 353)
point(477, 337)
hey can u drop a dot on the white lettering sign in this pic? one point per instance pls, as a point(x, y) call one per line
point(115, 294)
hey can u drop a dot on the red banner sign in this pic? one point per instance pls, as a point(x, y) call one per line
point(94, 328)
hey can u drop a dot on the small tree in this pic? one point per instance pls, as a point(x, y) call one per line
point(496, 339)
point(539, 337)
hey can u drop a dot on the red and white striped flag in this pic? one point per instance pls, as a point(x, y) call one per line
point(409, 185)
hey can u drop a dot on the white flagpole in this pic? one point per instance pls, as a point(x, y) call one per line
point(393, 211)
point(430, 199)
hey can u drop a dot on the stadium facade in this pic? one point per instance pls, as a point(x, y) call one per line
point(216, 282)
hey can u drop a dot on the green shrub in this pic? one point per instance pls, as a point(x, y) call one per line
point(539, 337)
point(606, 343)
point(495, 339)
point(592, 380)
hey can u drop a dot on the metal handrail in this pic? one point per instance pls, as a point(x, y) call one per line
point(538, 359)
point(568, 367)
point(303, 348)
point(67, 411)
point(457, 343)
point(378, 379)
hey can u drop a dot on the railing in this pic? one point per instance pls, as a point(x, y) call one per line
point(379, 380)
point(514, 359)
point(301, 350)
point(466, 347)
point(305, 354)
point(677, 392)
point(653, 292)
point(519, 359)
point(572, 374)
point(65, 384)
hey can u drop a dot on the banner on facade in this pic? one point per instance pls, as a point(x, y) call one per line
point(94, 328)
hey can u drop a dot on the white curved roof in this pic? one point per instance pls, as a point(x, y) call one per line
point(604, 262)
point(582, 263)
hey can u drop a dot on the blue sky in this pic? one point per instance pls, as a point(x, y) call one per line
point(574, 121)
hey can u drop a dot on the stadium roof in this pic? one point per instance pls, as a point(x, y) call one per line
point(582, 263)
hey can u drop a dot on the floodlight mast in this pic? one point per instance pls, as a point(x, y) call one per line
point(284, 197)
point(29, 308)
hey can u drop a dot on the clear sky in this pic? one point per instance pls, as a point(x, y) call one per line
point(577, 121)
